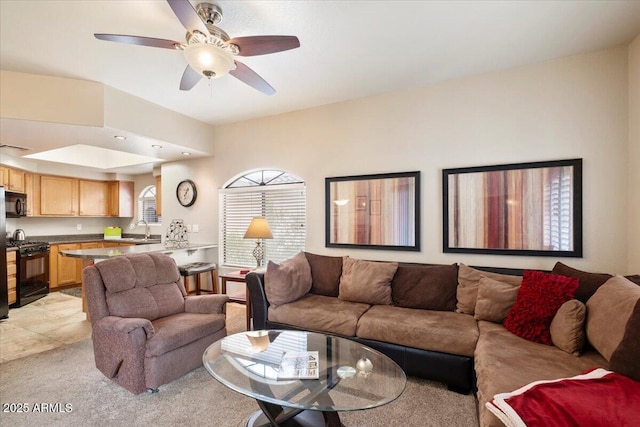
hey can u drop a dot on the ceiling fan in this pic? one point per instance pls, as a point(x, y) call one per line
point(208, 49)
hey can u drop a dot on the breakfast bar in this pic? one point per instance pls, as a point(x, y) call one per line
point(91, 256)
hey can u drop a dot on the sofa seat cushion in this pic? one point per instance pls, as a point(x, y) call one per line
point(442, 331)
point(505, 362)
point(320, 313)
point(177, 330)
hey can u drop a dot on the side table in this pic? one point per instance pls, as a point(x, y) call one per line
point(240, 298)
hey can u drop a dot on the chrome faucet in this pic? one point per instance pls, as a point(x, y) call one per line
point(147, 230)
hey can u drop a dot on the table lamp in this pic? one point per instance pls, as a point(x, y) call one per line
point(258, 229)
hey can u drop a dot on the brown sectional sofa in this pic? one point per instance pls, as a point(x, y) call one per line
point(442, 343)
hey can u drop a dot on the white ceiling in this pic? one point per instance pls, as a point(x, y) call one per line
point(349, 49)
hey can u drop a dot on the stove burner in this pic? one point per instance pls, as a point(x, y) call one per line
point(27, 247)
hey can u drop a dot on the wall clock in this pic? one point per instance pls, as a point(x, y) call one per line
point(186, 193)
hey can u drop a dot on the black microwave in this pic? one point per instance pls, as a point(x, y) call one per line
point(15, 204)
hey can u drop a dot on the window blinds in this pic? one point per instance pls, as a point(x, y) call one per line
point(284, 207)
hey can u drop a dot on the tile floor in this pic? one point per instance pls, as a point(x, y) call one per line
point(47, 323)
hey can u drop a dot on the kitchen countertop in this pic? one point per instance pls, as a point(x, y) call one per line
point(84, 238)
point(104, 253)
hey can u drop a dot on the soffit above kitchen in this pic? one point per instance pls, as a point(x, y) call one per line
point(91, 125)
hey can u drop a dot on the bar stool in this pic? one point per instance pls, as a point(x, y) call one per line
point(196, 269)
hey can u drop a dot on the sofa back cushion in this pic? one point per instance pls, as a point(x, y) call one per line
point(468, 282)
point(495, 299)
point(427, 287)
point(325, 274)
point(588, 283)
point(613, 316)
point(142, 285)
point(287, 281)
point(366, 281)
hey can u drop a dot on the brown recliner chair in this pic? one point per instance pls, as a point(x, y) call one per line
point(146, 332)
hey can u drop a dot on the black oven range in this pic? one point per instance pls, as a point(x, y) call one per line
point(32, 276)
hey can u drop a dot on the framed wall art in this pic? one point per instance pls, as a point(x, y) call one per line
point(373, 211)
point(514, 209)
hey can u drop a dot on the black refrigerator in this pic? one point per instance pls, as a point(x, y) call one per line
point(4, 293)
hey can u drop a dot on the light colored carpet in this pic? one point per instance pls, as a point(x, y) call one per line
point(67, 376)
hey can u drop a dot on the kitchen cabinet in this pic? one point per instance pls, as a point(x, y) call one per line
point(64, 271)
point(159, 195)
point(11, 276)
point(12, 179)
point(94, 198)
point(121, 198)
point(65, 196)
point(28, 190)
point(58, 196)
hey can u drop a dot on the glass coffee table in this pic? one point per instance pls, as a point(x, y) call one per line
point(344, 376)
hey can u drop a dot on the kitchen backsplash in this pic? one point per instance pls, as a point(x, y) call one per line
point(72, 226)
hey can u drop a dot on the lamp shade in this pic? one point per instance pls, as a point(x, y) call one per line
point(258, 229)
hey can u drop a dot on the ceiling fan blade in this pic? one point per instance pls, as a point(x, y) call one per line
point(189, 78)
point(188, 16)
point(141, 41)
point(250, 77)
point(261, 45)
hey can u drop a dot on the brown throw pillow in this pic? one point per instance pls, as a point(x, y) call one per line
point(325, 274)
point(495, 299)
point(287, 281)
point(468, 282)
point(612, 325)
point(366, 281)
point(425, 287)
point(588, 283)
point(567, 327)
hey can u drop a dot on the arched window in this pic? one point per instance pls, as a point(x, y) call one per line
point(278, 196)
point(147, 206)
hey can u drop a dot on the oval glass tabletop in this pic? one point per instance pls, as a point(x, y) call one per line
point(272, 366)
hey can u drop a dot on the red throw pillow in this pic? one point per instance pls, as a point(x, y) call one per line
point(540, 297)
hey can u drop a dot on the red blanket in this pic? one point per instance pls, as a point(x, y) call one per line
point(597, 398)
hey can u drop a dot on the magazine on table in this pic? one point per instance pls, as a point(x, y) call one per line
point(299, 365)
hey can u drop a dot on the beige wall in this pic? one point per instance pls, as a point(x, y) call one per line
point(566, 108)
point(633, 209)
point(51, 99)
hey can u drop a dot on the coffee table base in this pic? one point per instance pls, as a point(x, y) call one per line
point(301, 419)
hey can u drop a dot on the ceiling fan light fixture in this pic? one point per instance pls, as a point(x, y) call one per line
point(209, 60)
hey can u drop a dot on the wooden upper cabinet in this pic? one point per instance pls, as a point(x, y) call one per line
point(16, 180)
point(121, 198)
point(4, 177)
point(29, 191)
point(159, 195)
point(58, 196)
point(52, 195)
point(12, 179)
point(94, 198)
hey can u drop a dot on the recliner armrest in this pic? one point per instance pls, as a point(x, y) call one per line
point(125, 325)
point(206, 304)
